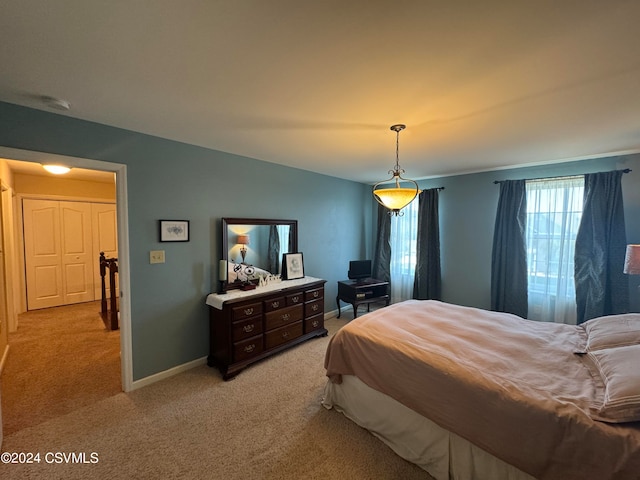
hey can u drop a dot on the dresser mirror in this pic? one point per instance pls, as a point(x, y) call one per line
point(253, 247)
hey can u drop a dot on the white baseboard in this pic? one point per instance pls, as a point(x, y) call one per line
point(331, 314)
point(156, 377)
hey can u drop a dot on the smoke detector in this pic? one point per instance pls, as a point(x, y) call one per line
point(55, 103)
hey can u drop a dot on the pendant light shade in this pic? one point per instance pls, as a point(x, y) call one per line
point(397, 197)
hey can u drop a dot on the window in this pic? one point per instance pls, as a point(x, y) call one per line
point(554, 210)
point(404, 235)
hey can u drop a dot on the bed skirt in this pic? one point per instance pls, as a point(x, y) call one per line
point(444, 455)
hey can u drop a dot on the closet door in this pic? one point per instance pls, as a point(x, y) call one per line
point(77, 254)
point(58, 253)
point(43, 254)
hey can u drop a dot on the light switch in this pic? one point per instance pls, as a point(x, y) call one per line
point(156, 256)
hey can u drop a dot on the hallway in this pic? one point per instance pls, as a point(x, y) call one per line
point(60, 359)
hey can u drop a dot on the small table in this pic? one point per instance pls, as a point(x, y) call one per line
point(365, 290)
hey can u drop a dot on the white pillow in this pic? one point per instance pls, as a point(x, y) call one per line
point(612, 331)
point(619, 369)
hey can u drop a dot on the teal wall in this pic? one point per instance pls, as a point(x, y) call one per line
point(172, 180)
point(467, 217)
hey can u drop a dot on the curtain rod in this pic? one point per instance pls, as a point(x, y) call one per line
point(626, 170)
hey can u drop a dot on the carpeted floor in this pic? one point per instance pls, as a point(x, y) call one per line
point(267, 423)
point(60, 359)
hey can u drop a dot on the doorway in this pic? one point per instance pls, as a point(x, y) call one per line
point(125, 370)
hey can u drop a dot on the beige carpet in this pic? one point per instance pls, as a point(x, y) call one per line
point(267, 423)
point(60, 359)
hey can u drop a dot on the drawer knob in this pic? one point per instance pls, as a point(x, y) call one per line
point(275, 304)
point(248, 311)
point(315, 323)
point(315, 294)
point(285, 317)
point(314, 307)
point(285, 334)
point(295, 299)
point(248, 328)
point(250, 348)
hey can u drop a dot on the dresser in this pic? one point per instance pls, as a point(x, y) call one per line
point(248, 326)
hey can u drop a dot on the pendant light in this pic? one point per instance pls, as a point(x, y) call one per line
point(396, 198)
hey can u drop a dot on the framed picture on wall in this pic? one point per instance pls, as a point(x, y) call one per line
point(174, 230)
point(292, 266)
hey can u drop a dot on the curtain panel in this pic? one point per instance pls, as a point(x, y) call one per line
point(404, 234)
point(509, 255)
point(273, 260)
point(601, 286)
point(382, 255)
point(554, 211)
point(427, 282)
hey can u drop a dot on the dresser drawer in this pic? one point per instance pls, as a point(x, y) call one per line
point(313, 294)
point(295, 298)
point(247, 348)
point(274, 304)
point(282, 317)
point(314, 323)
point(247, 328)
point(314, 308)
point(246, 311)
point(282, 335)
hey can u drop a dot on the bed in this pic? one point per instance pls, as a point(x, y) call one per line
point(467, 393)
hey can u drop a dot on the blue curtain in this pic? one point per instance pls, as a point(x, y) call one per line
point(509, 256)
point(601, 286)
point(273, 260)
point(382, 256)
point(427, 281)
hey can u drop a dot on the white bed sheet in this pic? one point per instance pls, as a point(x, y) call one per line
point(444, 455)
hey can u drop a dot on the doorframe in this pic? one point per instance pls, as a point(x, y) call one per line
point(120, 170)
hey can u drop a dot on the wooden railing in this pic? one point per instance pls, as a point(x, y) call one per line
point(109, 310)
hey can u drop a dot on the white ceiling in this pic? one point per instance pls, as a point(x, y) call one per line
point(34, 168)
point(317, 84)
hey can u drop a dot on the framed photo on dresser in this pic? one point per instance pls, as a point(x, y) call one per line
point(292, 266)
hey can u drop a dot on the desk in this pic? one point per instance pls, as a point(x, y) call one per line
point(366, 290)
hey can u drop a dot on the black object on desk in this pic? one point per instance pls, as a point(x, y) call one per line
point(359, 291)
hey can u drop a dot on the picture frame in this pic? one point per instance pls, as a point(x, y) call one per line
point(174, 230)
point(292, 266)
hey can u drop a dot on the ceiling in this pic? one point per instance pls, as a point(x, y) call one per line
point(316, 84)
point(33, 168)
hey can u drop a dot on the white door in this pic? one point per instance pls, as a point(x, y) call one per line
point(105, 239)
point(77, 254)
point(58, 253)
point(43, 253)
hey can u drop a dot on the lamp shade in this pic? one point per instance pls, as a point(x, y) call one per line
point(243, 239)
point(632, 260)
point(396, 198)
